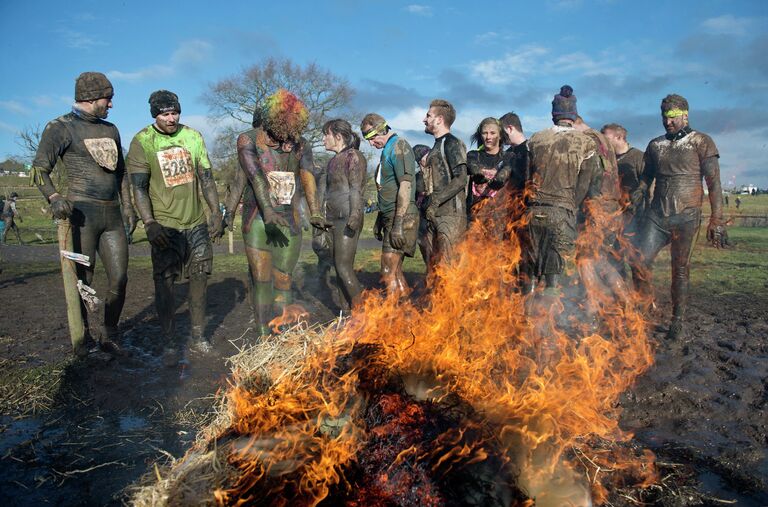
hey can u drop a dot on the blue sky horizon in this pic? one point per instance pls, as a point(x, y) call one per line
point(620, 57)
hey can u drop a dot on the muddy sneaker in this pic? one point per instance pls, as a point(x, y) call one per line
point(110, 347)
point(675, 329)
point(171, 357)
point(201, 345)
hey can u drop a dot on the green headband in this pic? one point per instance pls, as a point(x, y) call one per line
point(674, 113)
point(374, 131)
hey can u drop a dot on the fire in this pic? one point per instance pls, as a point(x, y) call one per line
point(292, 314)
point(478, 379)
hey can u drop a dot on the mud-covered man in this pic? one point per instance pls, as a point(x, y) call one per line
point(630, 167)
point(98, 201)
point(564, 170)
point(169, 167)
point(445, 178)
point(274, 159)
point(397, 223)
point(420, 152)
point(677, 162)
point(515, 167)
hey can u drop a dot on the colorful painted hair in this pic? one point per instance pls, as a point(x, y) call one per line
point(284, 116)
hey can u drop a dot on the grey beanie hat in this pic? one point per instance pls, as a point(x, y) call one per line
point(92, 86)
point(564, 104)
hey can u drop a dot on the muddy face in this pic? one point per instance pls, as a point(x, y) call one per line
point(672, 125)
point(167, 123)
point(431, 121)
point(491, 138)
point(333, 142)
point(101, 107)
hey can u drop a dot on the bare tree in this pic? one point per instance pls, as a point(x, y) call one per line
point(28, 140)
point(325, 94)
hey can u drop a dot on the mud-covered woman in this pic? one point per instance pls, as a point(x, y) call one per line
point(274, 159)
point(345, 183)
point(484, 162)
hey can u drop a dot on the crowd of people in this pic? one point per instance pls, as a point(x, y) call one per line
point(564, 176)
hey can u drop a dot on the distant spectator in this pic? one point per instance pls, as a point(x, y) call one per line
point(9, 214)
point(738, 202)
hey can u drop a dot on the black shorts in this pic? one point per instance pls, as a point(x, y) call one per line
point(549, 240)
point(410, 229)
point(189, 253)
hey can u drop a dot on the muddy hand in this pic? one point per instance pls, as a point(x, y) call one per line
point(156, 235)
point(61, 207)
point(319, 222)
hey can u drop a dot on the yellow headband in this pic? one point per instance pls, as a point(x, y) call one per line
point(674, 113)
point(374, 131)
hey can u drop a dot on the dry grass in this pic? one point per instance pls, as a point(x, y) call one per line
point(192, 479)
point(28, 391)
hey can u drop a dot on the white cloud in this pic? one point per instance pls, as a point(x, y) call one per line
point(191, 52)
point(535, 60)
point(9, 128)
point(188, 55)
point(153, 71)
point(78, 40)
point(564, 4)
point(513, 67)
point(202, 124)
point(14, 107)
point(728, 24)
point(408, 119)
point(420, 10)
point(742, 157)
point(492, 38)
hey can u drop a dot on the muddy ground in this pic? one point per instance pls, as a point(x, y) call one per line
point(701, 408)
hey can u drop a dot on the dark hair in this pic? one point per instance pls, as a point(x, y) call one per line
point(616, 128)
point(477, 137)
point(511, 119)
point(444, 109)
point(420, 150)
point(674, 101)
point(344, 129)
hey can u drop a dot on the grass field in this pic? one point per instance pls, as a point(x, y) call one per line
point(38, 227)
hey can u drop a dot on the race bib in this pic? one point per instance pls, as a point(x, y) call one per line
point(103, 151)
point(282, 186)
point(176, 166)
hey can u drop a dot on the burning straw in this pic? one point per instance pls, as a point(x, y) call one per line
point(477, 396)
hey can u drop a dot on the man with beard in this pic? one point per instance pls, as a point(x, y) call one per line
point(98, 201)
point(564, 171)
point(630, 167)
point(169, 168)
point(397, 223)
point(445, 179)
point(677, 161)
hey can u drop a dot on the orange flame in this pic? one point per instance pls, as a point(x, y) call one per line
point(292, 314)
point(545, 374)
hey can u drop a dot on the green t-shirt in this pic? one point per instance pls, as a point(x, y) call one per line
point(172, 162)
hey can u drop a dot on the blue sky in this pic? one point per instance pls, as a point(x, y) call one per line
point(621, 57)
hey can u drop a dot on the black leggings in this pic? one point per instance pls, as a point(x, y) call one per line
point(99, 228)
point(343, 250)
